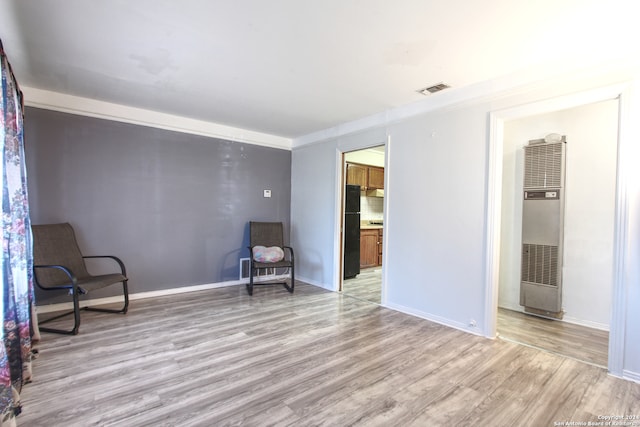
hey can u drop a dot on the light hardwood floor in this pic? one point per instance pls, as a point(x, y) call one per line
point(580, 342)
point(220, 357)
point(566, 339)
point(367, 285)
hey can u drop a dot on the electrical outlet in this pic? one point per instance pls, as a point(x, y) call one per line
point(267, 193)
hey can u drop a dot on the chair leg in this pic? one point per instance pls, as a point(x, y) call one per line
point(125, 290)
point(293, 280)
point(123, 310)
point(250, 284)
point(76, 319)
point(76, 313)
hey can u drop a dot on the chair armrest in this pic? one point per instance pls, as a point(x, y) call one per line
point(290, 251)
point(72, 279)
point(113, 257)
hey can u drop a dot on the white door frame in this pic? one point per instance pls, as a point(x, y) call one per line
point(621, 233)
point(339, 242)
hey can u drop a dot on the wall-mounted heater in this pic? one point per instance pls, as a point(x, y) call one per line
point(542, 226)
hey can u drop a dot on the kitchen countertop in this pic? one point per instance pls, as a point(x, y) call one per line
point(364, 225)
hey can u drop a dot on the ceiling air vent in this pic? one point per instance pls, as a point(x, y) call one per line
point(433, 89)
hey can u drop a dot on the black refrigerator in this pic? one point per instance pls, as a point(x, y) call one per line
point(351, 263)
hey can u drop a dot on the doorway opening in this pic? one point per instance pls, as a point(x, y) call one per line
point(588, 276)
point(363, 223)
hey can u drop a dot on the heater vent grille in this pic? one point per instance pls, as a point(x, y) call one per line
point(543, 166)
point(540, 264)
point(245, 267)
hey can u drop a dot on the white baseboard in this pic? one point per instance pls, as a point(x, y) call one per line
point(48, 308)
point(628, 375)
point(437, 319)
point(631, 376)
point(507, 305)
point(568, 319)
point(314, 283)
point(587, 323)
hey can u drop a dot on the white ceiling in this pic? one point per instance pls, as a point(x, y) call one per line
point(293, 67)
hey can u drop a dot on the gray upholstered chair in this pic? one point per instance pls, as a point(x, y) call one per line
point(59, 265)
point(265, 236)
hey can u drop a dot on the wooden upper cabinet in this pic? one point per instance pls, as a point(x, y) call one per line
point(357, 175)
point(367, 177)
point(376, 177)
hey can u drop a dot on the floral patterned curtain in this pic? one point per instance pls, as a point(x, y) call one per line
point(16, 293)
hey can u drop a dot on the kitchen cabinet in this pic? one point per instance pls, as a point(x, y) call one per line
point(370, 247)
point(367, 177)
point(375, 177)
point(380, 246)
point(357, 175)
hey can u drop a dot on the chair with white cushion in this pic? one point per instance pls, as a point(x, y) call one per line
point(267, 251)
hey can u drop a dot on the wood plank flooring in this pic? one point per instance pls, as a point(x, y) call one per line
point(580, 342)
point(312, 358)
point(367, 285)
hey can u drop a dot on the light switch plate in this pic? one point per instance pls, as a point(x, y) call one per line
point(267, 193)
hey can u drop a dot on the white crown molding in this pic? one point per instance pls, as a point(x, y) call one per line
point(446, 99)
point(121, 113)
point(528, 80)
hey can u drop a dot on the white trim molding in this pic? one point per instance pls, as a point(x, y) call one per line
point(49, 308)
point(523, 80)
point(631, 376)
point(56, 101)
point(329, 287)
point(436, 319)
point(621, 238)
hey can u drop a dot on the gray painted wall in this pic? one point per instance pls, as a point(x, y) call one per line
point(175, 207)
